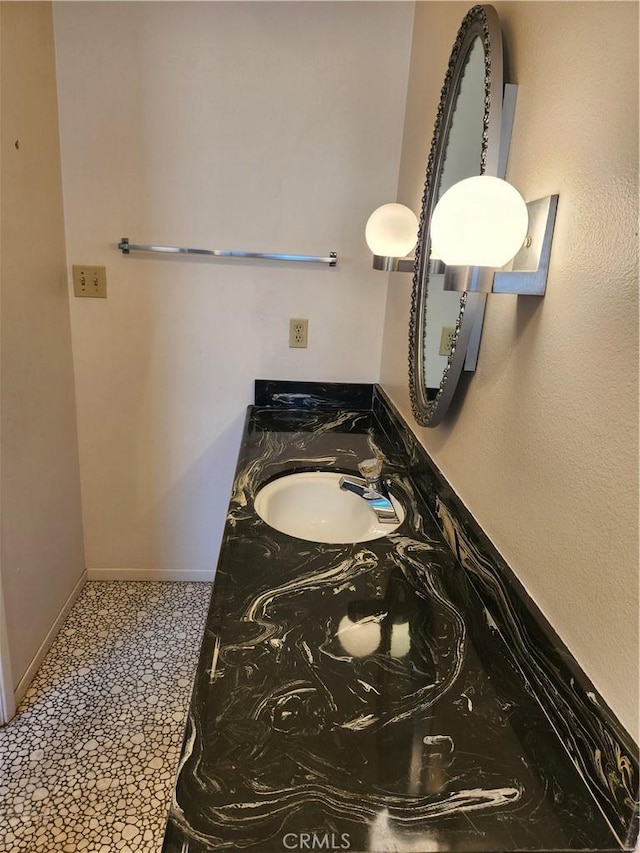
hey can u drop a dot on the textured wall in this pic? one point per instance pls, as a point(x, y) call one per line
point(223, 125)
point(42, 552)
point(542, 442)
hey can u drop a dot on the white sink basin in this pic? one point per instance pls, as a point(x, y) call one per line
point(312, 506)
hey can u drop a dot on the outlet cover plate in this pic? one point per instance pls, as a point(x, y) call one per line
point(446, 339)
point(298, 332)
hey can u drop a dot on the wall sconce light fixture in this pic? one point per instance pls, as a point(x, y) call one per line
point(391, 233)
point(479, 226)
point(482, 224)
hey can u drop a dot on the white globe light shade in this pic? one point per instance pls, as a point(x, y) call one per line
point(392, 231)
point(479, 222)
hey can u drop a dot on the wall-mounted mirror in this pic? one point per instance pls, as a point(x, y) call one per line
point(445, 326)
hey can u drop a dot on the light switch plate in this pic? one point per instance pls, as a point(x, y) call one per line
point(90, 281)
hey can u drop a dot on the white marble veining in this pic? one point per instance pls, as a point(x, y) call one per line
point(354, 696)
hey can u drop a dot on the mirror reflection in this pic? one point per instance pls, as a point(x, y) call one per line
point(462, 159)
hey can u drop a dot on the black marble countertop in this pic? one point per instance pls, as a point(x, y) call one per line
point(360, 697)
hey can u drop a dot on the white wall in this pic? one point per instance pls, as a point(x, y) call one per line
point(261, 126)
point(42, 559)
point(543, 448)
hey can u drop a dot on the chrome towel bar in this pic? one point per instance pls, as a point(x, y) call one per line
point(126, 247)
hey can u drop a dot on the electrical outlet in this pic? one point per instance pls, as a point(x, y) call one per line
point(446, 339)
point(298, 332)
point(90, 281)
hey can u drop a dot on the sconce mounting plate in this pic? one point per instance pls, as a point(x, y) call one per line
point(392, 264)
point(528, 275)
point(529, 268)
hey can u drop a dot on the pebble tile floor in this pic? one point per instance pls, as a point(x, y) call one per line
point(88, 762)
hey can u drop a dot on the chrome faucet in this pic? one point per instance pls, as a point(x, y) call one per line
point(372, 490)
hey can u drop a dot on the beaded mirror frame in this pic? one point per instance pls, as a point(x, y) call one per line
point(480, 22)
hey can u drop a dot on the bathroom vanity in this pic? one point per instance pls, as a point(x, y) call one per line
point(388, 695)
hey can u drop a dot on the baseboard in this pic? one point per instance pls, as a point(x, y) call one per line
point(188, 575)
point(7, 699)
point(46, 644)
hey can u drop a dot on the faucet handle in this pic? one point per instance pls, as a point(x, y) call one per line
point(371, 469)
